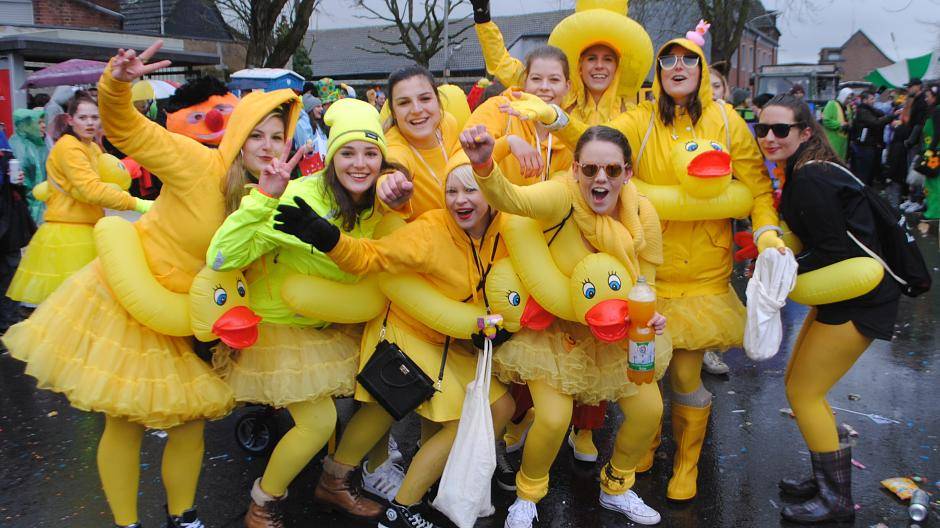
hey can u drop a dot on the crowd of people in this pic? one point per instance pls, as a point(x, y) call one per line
point(407, 196)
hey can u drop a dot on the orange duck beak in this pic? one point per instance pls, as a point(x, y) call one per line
point(710, 164)
point(238, 327)
point(608, 320)
point(534, 317)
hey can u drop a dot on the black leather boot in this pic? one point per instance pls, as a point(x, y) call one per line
point(833, 502)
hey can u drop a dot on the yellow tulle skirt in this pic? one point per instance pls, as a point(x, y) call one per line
point(570, 359)
point(291, 364)
point(705, 321)
point(82, 343)
point(54, 254)
point(460, 369)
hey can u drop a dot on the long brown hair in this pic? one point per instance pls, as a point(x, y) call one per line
point(238, 181)
point(343, 204)
point(667, 106)
point(817, 147)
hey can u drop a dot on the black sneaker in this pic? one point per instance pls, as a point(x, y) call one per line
point(505, 472)
point(189, 519)
point(398, 516)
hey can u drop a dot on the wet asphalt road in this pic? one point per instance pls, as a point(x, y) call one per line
point(48, 476)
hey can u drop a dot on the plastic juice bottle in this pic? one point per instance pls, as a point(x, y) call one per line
point(642, 359)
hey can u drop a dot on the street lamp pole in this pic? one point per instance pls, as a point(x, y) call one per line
point(446, 40)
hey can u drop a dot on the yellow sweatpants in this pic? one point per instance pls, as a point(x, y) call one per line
point(821, 356)
point(314, 422)
point(119, 466)
point(642, 414)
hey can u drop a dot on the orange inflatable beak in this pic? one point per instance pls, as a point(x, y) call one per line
point(534, 317)
point(238, 327)
point(608, 320)
point(711, 164)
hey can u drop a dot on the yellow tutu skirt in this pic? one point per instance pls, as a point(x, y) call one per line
point(571, 360)
point(460, 370)
point(291, 364)
point(82, 343)
point(54, 254)
point(705, 321)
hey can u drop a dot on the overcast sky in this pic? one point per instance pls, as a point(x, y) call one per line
point(904, 28)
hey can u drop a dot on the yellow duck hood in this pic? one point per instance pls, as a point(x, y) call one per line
point(249, 111)
point(704, 86)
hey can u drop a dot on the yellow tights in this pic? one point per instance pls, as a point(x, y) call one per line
point(821, 356)
point(685, 370)
point(364, 433)
point(119, 466)
point(642, 414)
point(314, 422)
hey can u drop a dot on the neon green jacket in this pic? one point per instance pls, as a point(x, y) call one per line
point(247, 238)
point(833, 119)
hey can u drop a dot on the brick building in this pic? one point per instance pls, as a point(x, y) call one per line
point(856, 58)
point(758, 46)
point(97, 14)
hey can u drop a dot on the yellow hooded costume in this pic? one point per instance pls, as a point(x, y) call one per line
point(82, 342)
point(594, 22)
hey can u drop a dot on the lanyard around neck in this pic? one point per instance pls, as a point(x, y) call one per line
point(431, 171)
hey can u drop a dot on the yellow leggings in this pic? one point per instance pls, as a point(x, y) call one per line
point(371, 422)
point(642, 415)
point(685, 370)
point(821, 356)
point(119, 466)
point(314, 422)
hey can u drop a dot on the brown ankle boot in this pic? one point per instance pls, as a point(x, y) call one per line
point(336, 490)
point(264, 511)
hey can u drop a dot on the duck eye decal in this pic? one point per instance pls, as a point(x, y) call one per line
point(514, 298)
point(241, 288)
point(691, 146)
point(220, 295)
point(716, 146)
point(614, 281)
point(588, 289)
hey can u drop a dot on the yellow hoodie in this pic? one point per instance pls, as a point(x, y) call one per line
point(697, 255)
point(80, 195)
point(500, 124)
point(175, 233)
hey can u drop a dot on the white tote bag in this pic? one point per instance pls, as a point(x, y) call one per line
point(774, 278)
point(464, 492)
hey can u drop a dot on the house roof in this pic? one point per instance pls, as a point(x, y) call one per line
point(863, 35)
point(181, 18)
point(337, 53)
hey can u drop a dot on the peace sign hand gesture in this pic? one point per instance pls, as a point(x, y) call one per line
point(127, 65)
point(275, 177)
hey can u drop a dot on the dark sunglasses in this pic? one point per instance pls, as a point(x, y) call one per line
point(668, 62)
point(590, 170)
point(781, 130)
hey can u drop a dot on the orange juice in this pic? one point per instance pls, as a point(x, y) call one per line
point(642, 359)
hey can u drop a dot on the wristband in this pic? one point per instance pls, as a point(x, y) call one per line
point(761, 231)
point(561, 119)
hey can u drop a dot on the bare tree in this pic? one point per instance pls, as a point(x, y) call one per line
point(420, 28)
point(270, 30)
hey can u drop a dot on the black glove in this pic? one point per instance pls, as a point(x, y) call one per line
point(481, 11)
point(502, 335)
point(305, 224)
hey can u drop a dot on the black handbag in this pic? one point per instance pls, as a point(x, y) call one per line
point(395, 381)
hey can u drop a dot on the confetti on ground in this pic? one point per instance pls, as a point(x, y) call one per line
point(739, 411)
point(52, 414)
point(854, 397)
point(858, 464)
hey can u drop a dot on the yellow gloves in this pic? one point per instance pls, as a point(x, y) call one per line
point(769, 239)
point(533, 108)
point(143, 205)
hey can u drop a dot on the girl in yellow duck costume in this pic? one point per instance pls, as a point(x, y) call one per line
point(536, 153)
point(81, 342)
point(452, 249)
point(693, 286)
point(612, 51)
point(64, 244)
point(301, 363)
point(610, 217)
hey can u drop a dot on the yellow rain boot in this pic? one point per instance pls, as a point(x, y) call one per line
point(646, 463)
point(688, 428)
point(516, 433)
point(582, 443)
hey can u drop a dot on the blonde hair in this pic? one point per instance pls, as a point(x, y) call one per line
point(238, 182)
point(464, 176)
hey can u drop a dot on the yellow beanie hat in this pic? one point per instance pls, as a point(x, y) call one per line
point(352, 120)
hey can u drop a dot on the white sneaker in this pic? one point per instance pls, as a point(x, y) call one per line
point(394, 454)
point(631, 505)
point(915, 208)
point(904, 205)
point(521, 514)
point(385, 480)
point(712, 363)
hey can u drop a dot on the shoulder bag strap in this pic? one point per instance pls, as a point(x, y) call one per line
point(646, 137)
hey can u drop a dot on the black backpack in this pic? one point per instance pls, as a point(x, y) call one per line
point(901, 257)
